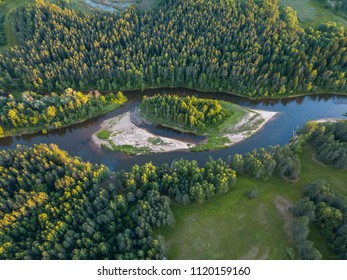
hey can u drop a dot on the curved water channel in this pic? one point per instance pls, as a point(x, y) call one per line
point(293, 114)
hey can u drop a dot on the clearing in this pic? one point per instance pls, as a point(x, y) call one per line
point(233, 226)
point(312, 13)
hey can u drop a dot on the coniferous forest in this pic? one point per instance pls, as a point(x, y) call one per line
point(56, 206)
point(253, 48)
point(185, 111)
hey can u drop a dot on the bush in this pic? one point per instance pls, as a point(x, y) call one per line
point(104, 134)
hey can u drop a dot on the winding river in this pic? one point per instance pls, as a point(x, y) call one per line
point(293, 114)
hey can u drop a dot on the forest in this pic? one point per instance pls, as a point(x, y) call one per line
point(329, 141)
point(34, 112)
point(253, 48)
point(262, 164)
point(187, 111)
point(54, 206)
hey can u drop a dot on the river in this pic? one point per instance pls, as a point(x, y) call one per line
point(293, 114)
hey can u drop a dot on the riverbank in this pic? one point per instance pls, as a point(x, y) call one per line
point(329, 120)
point(46, 128)
point(246, 97)
point(251, 123)
point(125, 136)
point(128, 137)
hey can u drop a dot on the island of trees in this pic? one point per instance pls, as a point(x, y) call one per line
point(253, 48)
point(32, 112)
point(186, 112)
point(218, 124)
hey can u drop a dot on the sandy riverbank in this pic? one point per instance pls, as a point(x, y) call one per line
point(124, 132)
point(329, 120)
point(252, 122)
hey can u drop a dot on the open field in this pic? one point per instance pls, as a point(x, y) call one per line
point(312, 13)
point(236, 227)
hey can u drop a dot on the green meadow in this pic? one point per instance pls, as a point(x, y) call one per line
point(234, 226)
point(312, 13)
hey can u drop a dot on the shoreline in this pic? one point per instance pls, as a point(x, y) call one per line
point(255, 118)
point(125, 133)
point(39, 129)
point(332, 120)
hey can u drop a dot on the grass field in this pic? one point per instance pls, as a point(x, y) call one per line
point(312, 13)
point(236, 227)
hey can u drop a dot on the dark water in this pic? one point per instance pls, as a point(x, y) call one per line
point(294, 113)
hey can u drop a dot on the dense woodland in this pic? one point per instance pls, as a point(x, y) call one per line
point(53, 206)
point(249, 47)
point(33, 112)
point(327, 210)
point(329, 141)
point(263, 163)
point(187, 111)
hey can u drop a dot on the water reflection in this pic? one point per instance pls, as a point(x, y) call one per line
point(294, 113)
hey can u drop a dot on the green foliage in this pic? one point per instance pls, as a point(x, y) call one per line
point(54, 206)
point(253, 48)
point(253, 193)
point(104, 134)
point(33, 112)
point(156, 141)
point(305, 247)
point(327, 209)
point(193, 236)
point(312, 13)
point(329, 141)
point(184, 181)
point(127, 149)
point(336, 5)
point(184, 112)
point(2, 30)
point(263, 163)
